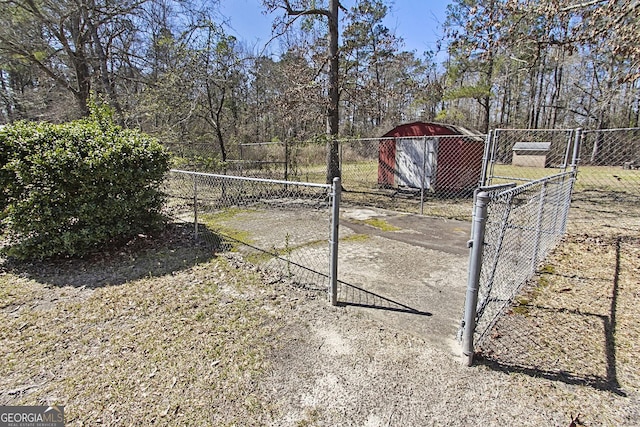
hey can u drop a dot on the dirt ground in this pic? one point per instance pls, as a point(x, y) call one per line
point(165, 333)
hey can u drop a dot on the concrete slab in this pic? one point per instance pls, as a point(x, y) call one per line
point(412, 278)
point(407, 271)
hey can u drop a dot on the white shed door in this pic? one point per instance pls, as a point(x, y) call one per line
point(416, 162)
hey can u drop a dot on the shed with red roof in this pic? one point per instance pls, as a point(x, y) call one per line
point(441, 158)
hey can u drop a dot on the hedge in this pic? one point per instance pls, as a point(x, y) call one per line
point(74, 188)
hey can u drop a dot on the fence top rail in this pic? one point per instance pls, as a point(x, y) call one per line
point(249, 144)
point(534, 130)
point(391, 138)
point(341, 140)
point(496, 187)
point(243, 178)
point(609, 130)
point(253, 161)
point(370, 139)
point(527, 185)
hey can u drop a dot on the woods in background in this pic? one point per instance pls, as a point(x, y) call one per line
point(170, 68)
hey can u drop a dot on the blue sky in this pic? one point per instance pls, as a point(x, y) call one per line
point(418, 22)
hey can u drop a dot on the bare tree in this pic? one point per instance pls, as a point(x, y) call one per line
point(66, 41)
point(305, 8)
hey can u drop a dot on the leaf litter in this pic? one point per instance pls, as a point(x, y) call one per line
point(170, 334)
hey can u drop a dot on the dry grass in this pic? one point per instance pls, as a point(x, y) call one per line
point(576, 323)
point(576, 318)
point(169, 334)
point(175, 336)
point(171, 347)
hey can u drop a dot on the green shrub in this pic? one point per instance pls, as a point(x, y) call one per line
point(73, 188)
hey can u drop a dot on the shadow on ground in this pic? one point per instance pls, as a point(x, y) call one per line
point(548, 338)
point(598, 201)
point(170, 251)
point(355, 296)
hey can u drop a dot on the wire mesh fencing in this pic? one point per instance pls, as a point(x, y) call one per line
point(198, 157)
point(514, 230)
point(433, 175)
point(260, 160)
point(607, 188)
point(443, 166)
point(283, 227)
point(523, 155)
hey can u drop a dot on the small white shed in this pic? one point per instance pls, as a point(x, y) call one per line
point(531, 154)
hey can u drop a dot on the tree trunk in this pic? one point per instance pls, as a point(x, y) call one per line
point(88, 9)
point(333, 115)
point(7, 97)
point(215, 114)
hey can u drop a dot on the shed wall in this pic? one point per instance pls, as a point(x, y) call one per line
point(451, 164)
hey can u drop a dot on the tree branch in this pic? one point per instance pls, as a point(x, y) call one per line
point(292, 12)
point(31, 58)
point(582, 5)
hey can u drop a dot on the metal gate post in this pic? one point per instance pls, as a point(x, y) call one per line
point(424, 171)
point(335, 223)
point(286, 159)
point(494, 147)
point(195, 206)
point(577, 142)
point(340, 155)
point(568, 194)
point(475, 265)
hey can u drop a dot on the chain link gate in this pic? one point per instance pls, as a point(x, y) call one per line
point(515, 226)
point(287, 228)
point(514, 229)
point(599, 179)
point(599, 170)
point(522, 155)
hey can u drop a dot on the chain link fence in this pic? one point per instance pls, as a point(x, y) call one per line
point(195, 156)
point(514, 229)
point(524, 223)
point(523, 155)
point(597, 173)
point(283, 227)
point(425, 174)
point(433, 175)
point(607, 190)
point(260, 160)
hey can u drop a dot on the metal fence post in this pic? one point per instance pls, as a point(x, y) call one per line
point(286, 159)
point(195, 207)
point(485, 159)
point(335, 223)
point(340, 155)
point(494, 148)
point(577, 142)
point(575, 161)
point(538, 239)
point(424, 171)
point(475, 266)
